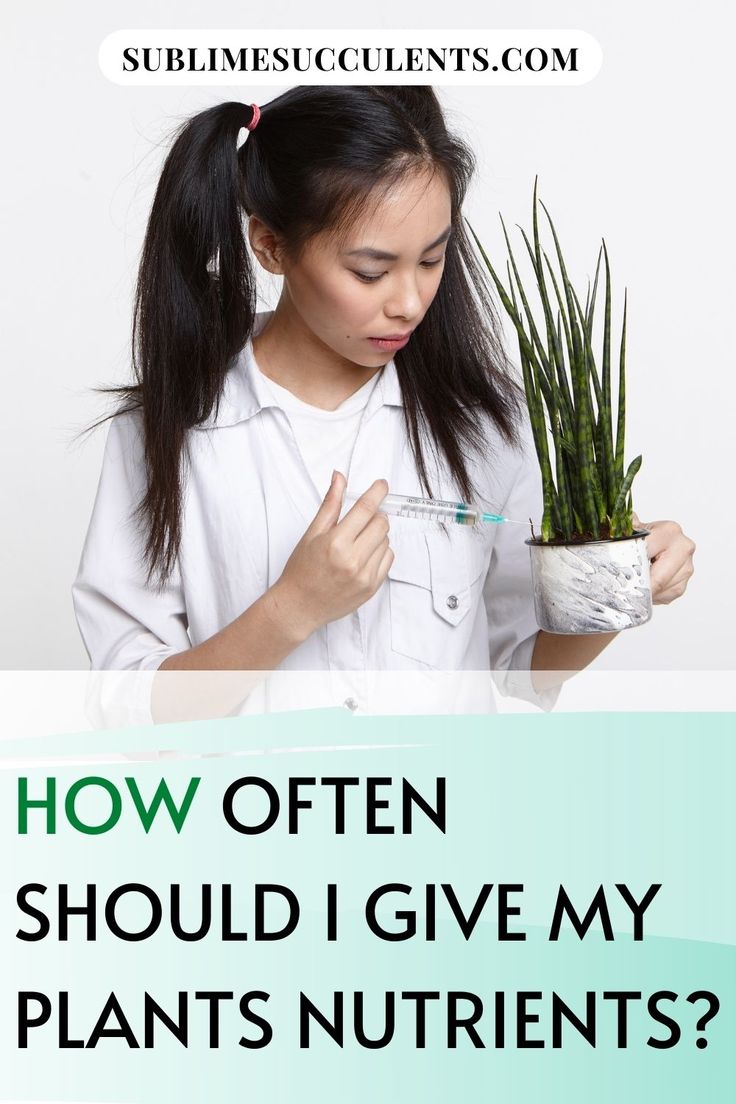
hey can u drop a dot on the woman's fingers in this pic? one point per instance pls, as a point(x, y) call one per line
point(374, 534)
point(675, 587)
point(387, 558)
point(329, 511)
point(671, 554)
point(363, 510)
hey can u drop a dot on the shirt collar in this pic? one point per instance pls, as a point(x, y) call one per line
point(245, 394)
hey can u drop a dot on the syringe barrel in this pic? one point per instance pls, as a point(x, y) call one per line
point(427, 509)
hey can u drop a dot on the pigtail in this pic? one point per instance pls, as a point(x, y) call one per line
point(195, 306)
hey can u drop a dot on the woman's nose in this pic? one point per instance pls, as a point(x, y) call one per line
point(404, 301)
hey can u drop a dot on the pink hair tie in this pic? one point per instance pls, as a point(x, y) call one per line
point(256, 116)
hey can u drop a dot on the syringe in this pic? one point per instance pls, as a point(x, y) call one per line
point(431, 509)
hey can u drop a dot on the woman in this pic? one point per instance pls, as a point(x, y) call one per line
point(217, 541)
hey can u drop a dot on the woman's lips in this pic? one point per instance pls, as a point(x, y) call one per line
point(389, 344)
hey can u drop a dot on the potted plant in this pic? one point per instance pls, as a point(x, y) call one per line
point(590, 567)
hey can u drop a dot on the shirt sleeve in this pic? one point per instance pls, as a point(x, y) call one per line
point(125, 624)
point(508, 592)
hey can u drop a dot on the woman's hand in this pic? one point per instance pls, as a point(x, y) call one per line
point(671, 556)
point(336, 566)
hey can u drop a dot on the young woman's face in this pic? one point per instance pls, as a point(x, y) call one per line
point(380, 282)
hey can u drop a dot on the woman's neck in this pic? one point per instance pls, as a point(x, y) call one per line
point(290, 354)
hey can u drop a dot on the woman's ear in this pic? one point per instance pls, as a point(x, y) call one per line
point(265, 244)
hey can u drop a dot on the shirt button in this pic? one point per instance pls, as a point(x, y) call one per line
point(351, 704)
point(452, 601)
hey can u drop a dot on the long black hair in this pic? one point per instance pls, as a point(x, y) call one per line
point(319, 156)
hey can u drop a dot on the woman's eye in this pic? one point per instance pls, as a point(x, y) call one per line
point(371, 279)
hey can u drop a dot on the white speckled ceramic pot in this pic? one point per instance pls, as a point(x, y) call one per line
point(591, 587)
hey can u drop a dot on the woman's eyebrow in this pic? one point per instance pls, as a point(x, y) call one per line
point(379, 255)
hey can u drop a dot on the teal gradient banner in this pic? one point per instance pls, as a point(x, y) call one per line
point(326, 907)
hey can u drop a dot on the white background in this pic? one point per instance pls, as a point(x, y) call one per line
point(642, 155)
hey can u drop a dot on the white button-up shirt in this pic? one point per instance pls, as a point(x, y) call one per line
point(456, 598)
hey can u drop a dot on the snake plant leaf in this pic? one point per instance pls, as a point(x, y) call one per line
point(505, 299)
point(606, 383)
point(537, 341)
point(590, 308)
point(511, 287)
point(580, 405)
point(562, 380)
point(553, 335)
point(621, 423)
point(539, 430)
point(619, 515)
point(558, 399)
point(566, 285)
point(604, 433)
point(587, 332)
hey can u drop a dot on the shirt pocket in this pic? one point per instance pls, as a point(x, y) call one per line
point(435, 582)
